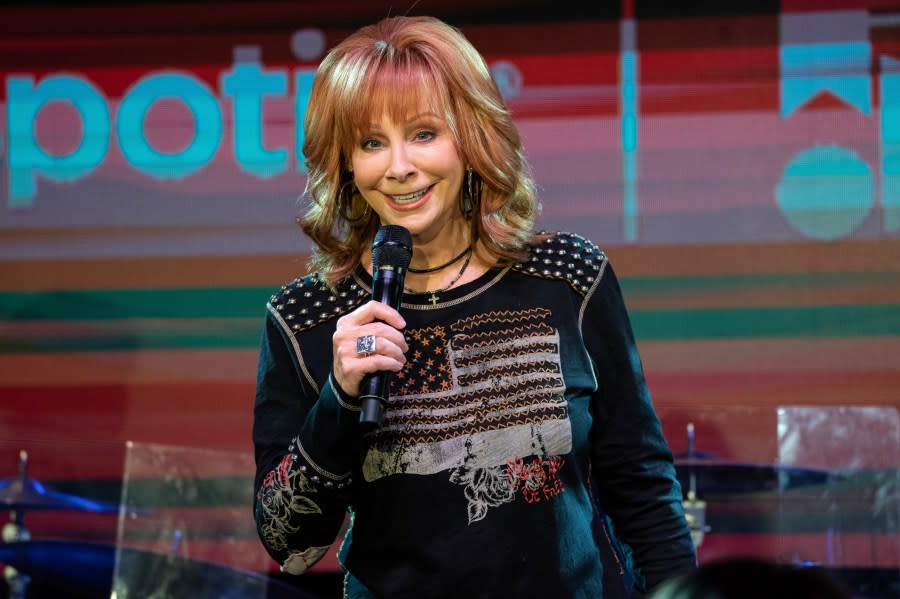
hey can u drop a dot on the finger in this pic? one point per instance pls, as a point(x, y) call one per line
point(393, 346)
point(372, 347)
point(382, 330)
point(353, 342)
point(369, 312)
point(387, 315)
point(350, 367)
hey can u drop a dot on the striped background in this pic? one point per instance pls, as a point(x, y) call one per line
point(149, 347)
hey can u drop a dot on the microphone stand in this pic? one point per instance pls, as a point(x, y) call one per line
point(694, 508)
point(15, 531)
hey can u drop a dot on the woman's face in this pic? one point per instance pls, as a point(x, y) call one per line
point(411, 174)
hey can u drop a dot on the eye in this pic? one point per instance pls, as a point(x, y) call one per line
point(424, 135)
point(370, 144)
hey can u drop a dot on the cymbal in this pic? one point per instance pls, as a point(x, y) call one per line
point(22, 493)
point(703, 473)
point(721, 477)
point(89, 567)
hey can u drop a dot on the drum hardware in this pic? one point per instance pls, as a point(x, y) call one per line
point(694, 508)
point(91, 568)
point(19, 494)
point(707, 474)
point(700, 472)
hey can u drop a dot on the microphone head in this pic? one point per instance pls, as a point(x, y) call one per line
point(392, 247)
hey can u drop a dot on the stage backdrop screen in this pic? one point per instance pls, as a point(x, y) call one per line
point(739, 162)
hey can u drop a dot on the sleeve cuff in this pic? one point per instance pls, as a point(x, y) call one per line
point(346, 400)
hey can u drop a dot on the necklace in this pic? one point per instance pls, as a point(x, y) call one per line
point(453, 260)
point(434, 298)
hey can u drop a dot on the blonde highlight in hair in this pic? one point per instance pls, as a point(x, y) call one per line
point(388, 69)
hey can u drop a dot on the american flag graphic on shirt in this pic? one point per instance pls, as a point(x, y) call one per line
point(484, 400)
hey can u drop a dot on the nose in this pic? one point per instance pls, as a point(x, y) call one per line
point(401, 167)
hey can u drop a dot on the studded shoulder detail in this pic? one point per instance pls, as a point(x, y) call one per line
point(567, 257)
point(307, 302)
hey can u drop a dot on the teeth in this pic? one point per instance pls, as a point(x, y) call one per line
point(410, 197)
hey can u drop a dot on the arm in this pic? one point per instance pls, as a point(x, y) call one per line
point(631, 460)
point(304, 441)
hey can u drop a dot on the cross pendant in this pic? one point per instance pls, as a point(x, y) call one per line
point(433, 299)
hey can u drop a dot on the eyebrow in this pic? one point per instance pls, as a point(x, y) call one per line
point(416, 117)
point(428, 114)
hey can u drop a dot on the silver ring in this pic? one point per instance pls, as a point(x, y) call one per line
point(365, 345)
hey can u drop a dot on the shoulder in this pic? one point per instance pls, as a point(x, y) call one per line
point(307, 302)
point(566, 257)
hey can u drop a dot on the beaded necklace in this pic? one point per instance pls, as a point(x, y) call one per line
point(434, 298)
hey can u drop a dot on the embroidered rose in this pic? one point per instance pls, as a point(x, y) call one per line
point(278, 501)
point(484, 488)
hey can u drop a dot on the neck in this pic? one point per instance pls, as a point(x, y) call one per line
point(442, 265)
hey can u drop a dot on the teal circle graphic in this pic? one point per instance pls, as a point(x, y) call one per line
point(825, 192)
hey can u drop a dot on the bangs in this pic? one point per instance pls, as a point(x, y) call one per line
point(399, 89)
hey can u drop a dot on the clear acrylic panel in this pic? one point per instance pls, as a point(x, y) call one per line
point(188, 529)
point(853, 520)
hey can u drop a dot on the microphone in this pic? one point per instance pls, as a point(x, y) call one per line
point(391, 254)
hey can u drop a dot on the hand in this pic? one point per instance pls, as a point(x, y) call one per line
point(372, 318)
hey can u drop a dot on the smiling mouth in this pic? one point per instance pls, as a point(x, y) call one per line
point(410, 197)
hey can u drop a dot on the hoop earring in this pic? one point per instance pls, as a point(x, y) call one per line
point(345, 205)
point(471, 195)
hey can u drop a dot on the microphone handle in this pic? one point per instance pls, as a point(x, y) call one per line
point(374, 388)
point(387, 288)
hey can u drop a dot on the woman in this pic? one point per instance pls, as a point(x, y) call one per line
point(517, 402)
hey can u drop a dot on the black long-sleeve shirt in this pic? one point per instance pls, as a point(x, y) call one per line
point(519, 429)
